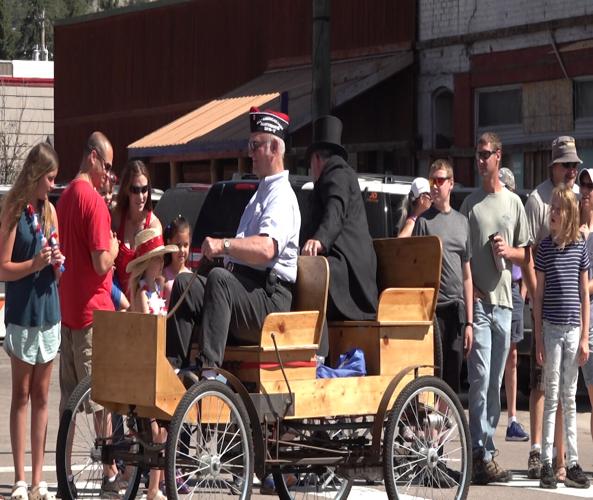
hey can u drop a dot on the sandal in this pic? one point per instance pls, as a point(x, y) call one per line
point(19, 491)
point(560, 473)
point(40, 492)
point(157, 496)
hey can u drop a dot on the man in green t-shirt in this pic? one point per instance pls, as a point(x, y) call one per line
point(499, 237)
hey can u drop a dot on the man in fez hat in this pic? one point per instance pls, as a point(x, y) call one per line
point(260, 261)
point(338, 228)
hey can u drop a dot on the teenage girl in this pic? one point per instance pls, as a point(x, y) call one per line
point(28, 247)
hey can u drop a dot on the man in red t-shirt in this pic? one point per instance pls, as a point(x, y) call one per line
point(91, 248)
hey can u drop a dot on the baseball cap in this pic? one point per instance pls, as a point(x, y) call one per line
point(420, 185)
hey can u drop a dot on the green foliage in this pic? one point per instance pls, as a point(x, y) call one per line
point(21, 21)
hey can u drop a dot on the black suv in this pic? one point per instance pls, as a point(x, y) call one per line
point(222, 208)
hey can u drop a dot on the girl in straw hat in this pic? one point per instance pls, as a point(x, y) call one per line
point(145, 289)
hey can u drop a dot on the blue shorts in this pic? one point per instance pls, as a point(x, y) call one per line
point(34, 345)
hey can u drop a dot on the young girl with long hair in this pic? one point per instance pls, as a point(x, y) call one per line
point(176, 233)
point(28, 247)
point(561, 313)
point(146, 296)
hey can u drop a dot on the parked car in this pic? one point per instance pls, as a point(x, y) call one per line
point(183, 199)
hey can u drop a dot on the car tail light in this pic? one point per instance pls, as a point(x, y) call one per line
point(195, 256)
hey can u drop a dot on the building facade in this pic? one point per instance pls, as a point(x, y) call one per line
point(26, 111)
point(521, 69)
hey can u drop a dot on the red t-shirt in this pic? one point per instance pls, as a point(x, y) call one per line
point(85, 226)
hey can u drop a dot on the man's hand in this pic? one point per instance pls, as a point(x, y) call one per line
point(312, 247)
point(584, 229)
point(468, 340)
point(212, 247)
point(501, 247)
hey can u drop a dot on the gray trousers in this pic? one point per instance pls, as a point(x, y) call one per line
point(224, 307)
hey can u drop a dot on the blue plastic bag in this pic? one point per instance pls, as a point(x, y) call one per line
point(351, 364)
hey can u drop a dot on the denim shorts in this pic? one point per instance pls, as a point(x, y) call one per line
point(35, 345)
point(587, 368)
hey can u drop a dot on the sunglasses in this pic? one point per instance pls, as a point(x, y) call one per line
point(439, 181)
point(588, 185)
point(253, 145)
point(139, 189)
point(484, 155)
point(568, 166)
point(106, 165)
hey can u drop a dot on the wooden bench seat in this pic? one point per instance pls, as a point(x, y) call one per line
point(408, 278)
point(296, 333)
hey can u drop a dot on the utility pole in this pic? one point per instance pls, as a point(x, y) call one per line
point(321, 59)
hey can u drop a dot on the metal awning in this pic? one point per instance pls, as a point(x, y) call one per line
point(220, 128)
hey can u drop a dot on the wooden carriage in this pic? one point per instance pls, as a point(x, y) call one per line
point(132, 377)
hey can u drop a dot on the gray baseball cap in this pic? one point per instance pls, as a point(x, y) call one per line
point(507, 178)
point(564, 150)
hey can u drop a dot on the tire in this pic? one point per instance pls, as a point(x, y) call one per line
point(427, 451)
point(79, 468)
point(314, 481)
point(209, 459)
point(438, 348)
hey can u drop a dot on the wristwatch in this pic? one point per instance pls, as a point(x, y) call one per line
point(226, 244)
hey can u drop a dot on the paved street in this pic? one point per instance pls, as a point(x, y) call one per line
point(512, 455)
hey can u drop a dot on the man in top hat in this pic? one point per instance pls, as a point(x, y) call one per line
point(563, 170)
point(261, 260)
point(338, 228)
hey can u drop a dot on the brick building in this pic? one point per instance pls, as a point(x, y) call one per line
point(522, 69)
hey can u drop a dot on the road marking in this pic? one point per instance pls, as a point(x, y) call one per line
point(522, 481)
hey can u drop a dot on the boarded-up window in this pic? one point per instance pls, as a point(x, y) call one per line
point(547, 107)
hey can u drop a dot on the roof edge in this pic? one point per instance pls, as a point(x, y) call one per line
point(118, 11)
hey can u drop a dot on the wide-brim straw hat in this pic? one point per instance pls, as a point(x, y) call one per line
point(149, 243)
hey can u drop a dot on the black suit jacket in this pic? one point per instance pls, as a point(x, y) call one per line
point(338, 220)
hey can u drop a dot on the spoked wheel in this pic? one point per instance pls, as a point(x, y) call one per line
point(209, 450)
point(84, 426)
point(426, 448)
point(315, 481)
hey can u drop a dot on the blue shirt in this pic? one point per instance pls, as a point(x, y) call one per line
point(562, 270)
point(274, 211)
point(33, 300)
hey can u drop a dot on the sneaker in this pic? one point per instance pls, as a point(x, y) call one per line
point(547, 478)
point(444, 477)
point(488, 472)
point(515, 432)
point(576, 478)
point(534, 465)
point(111, 489)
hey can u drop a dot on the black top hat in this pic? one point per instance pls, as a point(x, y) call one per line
point(327, 134)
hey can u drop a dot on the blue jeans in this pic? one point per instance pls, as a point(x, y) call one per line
point(561, 371)
point(485, 367)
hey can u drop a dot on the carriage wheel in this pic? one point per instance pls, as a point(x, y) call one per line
point(79, 468)
point(313, 481)
point(209, 447)
point(426, 448)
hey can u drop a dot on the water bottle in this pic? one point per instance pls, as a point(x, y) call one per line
point(498, 259)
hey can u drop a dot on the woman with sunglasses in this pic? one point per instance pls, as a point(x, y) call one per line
point(132, 214)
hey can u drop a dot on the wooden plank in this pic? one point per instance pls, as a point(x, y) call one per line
point(311, 289)
point(409, 263)
point(289, 329)
point(548, 106)
point(405, 304)
point(404, 346)
point(338, 396)
point(129, 363)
